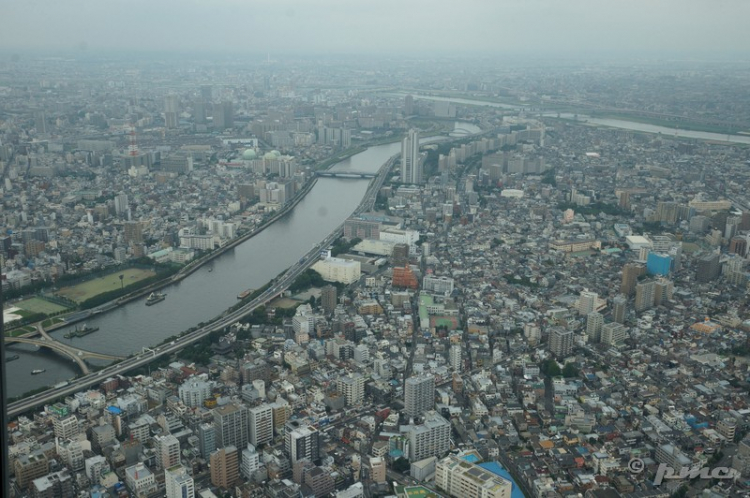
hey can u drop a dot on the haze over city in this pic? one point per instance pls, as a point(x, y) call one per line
point(694, 28)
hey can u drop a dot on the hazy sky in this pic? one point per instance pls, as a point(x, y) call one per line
point(353, 26)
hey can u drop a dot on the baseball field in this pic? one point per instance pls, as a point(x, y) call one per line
point(86, 290)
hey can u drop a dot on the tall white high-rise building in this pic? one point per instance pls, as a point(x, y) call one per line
point(419, 394)
point(261, 424)
point(411, 171)
point(455, 357)
point(179, 483)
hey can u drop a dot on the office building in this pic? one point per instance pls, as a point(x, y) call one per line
point(561, 342)
point(352, 387)
point(140, 480)
point(194, 392)
point(630, 274)
point(411, 169)
point(419, 394)
point(223, 115)
point(57, 484)
point(232, 423)
point(261, 425)
point(594, 323)
point(225, 470)
point(133, 232)
point(329, 298)
point(707, 268)
point(457, 477)
point(429, 439)
point(644, 295)
point(301, 442)
point(658, 264)
point(206, 439)
point(167, 451)
point(738, 245)
point(619, 308)
point(179, 484)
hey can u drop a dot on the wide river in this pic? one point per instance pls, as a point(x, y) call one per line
point(206, 294)
point(612, 123)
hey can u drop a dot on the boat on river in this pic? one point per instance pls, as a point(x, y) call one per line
point(155, 297)
point(81, 332)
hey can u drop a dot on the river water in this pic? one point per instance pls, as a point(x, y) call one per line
point(613, 123)
point(206, 294)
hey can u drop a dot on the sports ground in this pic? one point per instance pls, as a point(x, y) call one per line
point(86, 290)
point(38, 305)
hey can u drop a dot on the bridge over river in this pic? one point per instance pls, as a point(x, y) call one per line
point(76, 354)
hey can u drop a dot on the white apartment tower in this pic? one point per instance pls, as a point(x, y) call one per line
point(411, 171)
point(455, 357)
point(419, 394)
point(261, 424)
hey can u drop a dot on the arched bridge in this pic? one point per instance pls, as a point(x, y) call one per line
point(76, 354)
point(344, 174)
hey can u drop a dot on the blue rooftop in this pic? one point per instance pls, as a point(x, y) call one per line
point(470, 458)
point(498, 470)
point(114, 410)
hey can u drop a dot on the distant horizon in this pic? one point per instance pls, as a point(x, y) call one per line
point(278, 56)
point(690, 28)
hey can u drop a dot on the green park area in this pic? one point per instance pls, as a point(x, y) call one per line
point(39, 305)
point(86, 290)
